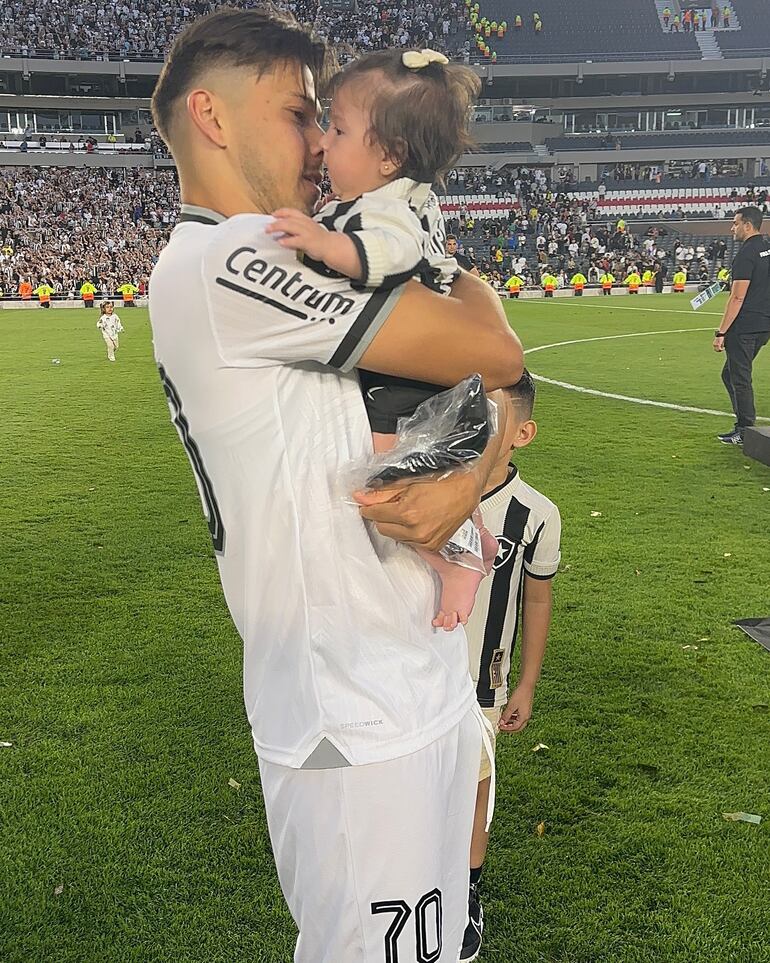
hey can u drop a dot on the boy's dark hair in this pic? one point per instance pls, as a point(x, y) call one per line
point(751, 214)
point(522, 394)
point(258, 38)
point(418, 117)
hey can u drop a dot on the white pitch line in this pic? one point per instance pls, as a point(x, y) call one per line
point(616, 397)
point(611, 337)
point(624, 307)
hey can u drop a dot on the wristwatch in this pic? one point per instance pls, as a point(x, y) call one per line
point(720, 334)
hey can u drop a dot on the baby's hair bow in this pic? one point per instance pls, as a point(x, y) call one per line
point(417, 59)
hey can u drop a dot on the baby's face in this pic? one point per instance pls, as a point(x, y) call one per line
point(353, 161)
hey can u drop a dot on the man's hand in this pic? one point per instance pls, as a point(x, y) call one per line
point(423, 514)
point(719, 344)
point(301, 232)
point(518, 711)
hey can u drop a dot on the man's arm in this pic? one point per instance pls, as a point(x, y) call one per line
point(428, 337)
point(535, 623)
point(734, 304)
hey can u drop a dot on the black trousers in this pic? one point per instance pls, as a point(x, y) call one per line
point(741, 350)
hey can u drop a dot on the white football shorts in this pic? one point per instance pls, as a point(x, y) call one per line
point(374, 860)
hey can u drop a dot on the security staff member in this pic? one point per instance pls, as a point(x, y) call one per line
point(745, 326)
point(723, 276)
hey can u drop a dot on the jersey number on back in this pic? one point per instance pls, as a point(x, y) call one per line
point(427, 924)
point(205, 488)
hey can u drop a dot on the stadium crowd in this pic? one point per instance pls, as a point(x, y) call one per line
point(56, 228)
point(550, 233)
point(60, 229)
point(145, 29)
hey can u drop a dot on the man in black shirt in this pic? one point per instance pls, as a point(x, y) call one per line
point(745, 326)
point(463, 260)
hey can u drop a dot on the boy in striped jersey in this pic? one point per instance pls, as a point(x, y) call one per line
point(528, 529)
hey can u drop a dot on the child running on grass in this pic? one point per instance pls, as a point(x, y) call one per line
point(398, 122)
point(528, 529)
point(110, 326)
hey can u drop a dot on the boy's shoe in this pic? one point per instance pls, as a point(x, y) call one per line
point(474, 929)
point(734, 437)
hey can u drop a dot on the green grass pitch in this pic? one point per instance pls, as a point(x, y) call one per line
point(120, 838)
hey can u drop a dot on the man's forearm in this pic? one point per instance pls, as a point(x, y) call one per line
point(733, 306)
point(486, 463)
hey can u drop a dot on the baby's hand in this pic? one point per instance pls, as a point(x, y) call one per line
point(301, 233)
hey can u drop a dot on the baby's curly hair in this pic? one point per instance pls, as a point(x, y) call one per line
point(418, 117)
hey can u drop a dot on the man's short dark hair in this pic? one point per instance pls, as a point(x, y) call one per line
point(522, 394)
point(753, 215)
point(257, 38)
point(451, 237)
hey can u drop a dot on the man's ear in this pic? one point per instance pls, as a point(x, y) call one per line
point(525, 433)
point(204, 109)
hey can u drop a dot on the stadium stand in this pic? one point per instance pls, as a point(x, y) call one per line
point(144, 30)
point(57, 226)
point(753, 37)
point(703, 138)
point(600, 30)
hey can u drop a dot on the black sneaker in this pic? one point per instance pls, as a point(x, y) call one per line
point(474, 929)
point(734, 437)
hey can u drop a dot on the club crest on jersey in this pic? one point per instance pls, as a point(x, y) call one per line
point(505, 551)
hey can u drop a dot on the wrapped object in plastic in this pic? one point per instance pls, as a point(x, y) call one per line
point(447, 432)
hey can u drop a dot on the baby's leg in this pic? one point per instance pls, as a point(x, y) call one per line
point(383, 442)
point(458, 590)
point(489, 544)
point(458, 583)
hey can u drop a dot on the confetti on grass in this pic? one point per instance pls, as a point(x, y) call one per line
point(6, 745)
point(539, 747)
point(233, 784)
point(540, 829)
point(59, 890)
point(596, 514)
point(743, 818)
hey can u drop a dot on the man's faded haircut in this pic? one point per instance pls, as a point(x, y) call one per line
point(522, 395)
point(259, 38)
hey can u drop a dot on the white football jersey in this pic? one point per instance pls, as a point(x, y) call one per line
point(527, 526)
point(256, 352)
